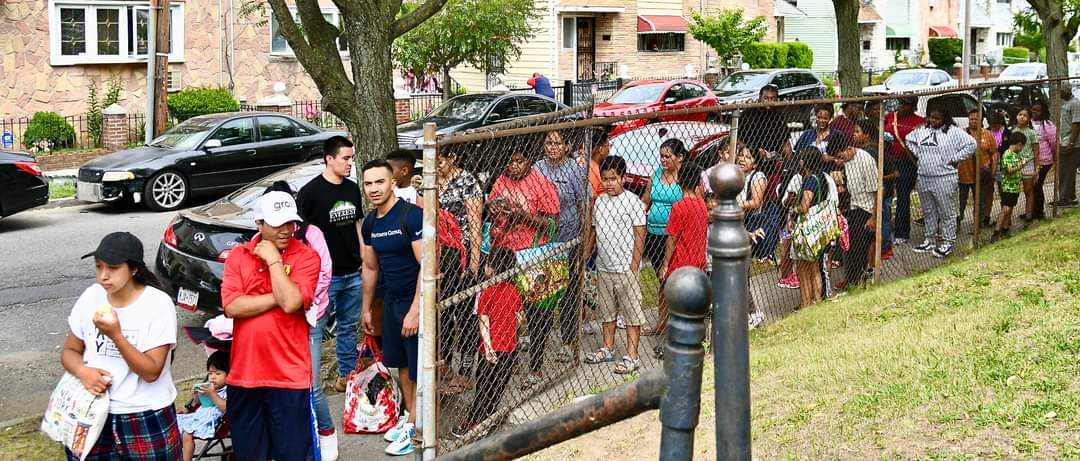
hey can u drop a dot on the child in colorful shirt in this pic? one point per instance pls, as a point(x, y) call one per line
point(1011, 181)
point(202, 423)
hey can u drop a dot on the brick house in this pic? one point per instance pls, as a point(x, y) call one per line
point(51, 50)
point(587, 39)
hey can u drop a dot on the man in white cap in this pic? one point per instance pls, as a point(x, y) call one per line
point(711, 77)
point(268, 285)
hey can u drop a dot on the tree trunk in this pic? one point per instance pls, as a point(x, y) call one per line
point(447, 86)
point(848, 46)
point(369, 111)
point(1051, 13)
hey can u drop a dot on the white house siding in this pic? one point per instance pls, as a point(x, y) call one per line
point(877, 57)
point(536, 55)
point(659, 8)
point(817, 30)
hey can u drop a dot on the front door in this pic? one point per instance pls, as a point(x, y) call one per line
point(586, 49)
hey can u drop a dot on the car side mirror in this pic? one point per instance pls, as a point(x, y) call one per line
point(494, 116)
point(211, 144)
point(669, 100)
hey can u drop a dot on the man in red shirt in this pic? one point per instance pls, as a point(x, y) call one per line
point(845, 122)
point(897, 126)
point(267, 287)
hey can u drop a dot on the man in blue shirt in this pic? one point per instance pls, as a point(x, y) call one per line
point(541, 84)
point(391, 252)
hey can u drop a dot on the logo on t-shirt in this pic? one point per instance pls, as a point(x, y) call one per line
point(105, 347)
point(342, 213)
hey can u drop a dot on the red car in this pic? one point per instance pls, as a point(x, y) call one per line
point(656, 96)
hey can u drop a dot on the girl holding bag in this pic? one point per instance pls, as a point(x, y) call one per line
point(122, 334)
point(816, 226)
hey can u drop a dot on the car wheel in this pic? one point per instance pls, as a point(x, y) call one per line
point(166, 191)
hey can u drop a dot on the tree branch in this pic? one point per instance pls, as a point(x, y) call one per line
point(319, 55)
point(288, 27)
point(419, 15)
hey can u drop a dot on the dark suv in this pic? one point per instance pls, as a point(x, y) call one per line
point(794, 84)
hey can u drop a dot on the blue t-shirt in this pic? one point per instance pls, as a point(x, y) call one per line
point(398, 267)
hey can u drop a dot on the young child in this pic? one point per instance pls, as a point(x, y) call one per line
point(498, 310)
point(1012, 163)
point(618, 232)
point(403, 162)
point(202, 422)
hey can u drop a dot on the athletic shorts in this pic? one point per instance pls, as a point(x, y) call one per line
point(1009, 198)
point(398, 352)
point(619, 293)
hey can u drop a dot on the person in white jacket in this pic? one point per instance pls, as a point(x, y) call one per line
point(939, 147)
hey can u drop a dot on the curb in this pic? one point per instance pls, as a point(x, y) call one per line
point(60, 203)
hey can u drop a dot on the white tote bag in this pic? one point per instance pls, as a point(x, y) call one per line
point(75, 416)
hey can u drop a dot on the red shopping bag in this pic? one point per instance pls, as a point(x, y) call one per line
point(372, 398)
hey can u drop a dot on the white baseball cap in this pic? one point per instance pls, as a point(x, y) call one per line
point(276, 208)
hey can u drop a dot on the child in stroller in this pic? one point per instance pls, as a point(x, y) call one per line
point(203, 423)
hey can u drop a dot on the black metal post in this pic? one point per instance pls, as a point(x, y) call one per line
point(729, 246)
point(568, 93)
point(619, 82)
point(688, 293)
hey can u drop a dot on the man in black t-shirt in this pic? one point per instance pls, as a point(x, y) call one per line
point(764, 128)
point(332, 202)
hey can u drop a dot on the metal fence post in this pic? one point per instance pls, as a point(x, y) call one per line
point(688, 293)
point(733, 141)
point(430, 271)
point(879, 200)
point(568, 93)
point(976, 208)
point(729, 246)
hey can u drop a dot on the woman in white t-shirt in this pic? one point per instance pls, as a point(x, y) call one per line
point(123, 332)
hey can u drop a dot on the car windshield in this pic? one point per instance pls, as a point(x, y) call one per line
point(743, 81)
point(908, 78)
point(186, 135)
point(638, 94)
point(468, 107)
point(1026, 72)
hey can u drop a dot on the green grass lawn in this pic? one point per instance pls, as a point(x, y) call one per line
point(59, 190)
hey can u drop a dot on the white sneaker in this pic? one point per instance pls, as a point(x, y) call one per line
point(755, 319)
point(403, 445)
point(392, 434)
point(328, 447)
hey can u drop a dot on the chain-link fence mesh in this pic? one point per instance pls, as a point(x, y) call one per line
point(570, 224)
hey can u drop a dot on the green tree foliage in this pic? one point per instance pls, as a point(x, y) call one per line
point(1027, 30)
point(474, 32)
point(199, 101)
point(768, 55)
point(944, 51)
point(728, 33)
point(48, 130)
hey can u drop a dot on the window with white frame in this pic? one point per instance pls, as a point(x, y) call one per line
point(279, 46)
point(665, 41)
point(569, 32)
point(1004, 39)
point(107, 32)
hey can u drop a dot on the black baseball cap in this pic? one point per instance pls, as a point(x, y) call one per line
point(118, 248)
point(909, 101)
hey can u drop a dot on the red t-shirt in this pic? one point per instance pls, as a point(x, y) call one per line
point(270, 349)
point(537, 195)
point(500, 303)
point(689, 225)
point(900, 129)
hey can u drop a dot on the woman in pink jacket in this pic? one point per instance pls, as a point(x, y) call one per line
point(1048, 140)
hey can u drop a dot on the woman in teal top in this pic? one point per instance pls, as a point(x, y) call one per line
point(660, 194)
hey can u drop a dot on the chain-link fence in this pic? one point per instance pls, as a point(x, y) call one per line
point(570, 224)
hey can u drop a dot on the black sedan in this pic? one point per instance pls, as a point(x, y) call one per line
point(21, 183)
point(191, 258)
point(206, 154)
point(793, 84)
point(475, 110)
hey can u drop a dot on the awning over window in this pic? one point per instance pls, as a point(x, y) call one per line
point(660, 24)
point(899, 31)
point(868, 15)
point(942, 31)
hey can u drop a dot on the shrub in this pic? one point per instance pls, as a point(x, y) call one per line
point(48, 130)
point(830, 86)
point(199, 101)
point(780, 56)
point(95, 121)
point(799, 55)
point(944, 51)
point(760, 55)
point(1014, 55)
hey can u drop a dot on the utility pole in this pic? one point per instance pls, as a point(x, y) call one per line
point(965, 73)
point(151, 67)
point(161, 15)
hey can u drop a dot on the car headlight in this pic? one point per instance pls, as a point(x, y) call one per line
point(117, 176)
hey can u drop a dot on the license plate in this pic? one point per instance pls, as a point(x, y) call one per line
point(187, 299)
point(88, 191)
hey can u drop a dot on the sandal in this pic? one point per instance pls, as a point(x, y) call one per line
point(601, 356)
point(627, 366)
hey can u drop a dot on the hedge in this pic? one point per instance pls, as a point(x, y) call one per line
point(944, 51)
point(50, 127)
point(200, 101)
point(1014, 55)
point(761, 55)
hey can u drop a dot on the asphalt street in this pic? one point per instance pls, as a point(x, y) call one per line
point(41, 276)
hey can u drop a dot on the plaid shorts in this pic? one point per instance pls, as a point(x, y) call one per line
point(146, 436)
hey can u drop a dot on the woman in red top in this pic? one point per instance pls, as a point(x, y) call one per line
point(521, 203)
point(497, 310)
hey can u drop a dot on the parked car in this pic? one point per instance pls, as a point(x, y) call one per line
point(1023, 71)
point(640, 146)
point(191, 258)
point(206, 154)
point(911, 80)
point(475, 110)
point(1011, 97)
point(656, 96)
point(22, 185)
point(793, 84)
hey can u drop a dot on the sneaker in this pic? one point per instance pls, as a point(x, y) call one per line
point(620, 323)
point(791, 281)
point(395, 432)
point(403, 445)
point(899, 241)
point(459, 431)
point(926, 247)
point(565, 354)
point(943, 251)
point(887, 254)
point(532, 379)
point(755, 319)
point(328, 447)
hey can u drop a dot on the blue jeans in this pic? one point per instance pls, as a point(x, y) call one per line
point(345, 292)
point(322, 411)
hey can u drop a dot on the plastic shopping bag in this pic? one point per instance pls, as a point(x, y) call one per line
point(372, 398)
point(75, 416)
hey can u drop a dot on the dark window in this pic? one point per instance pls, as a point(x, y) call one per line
point(670, 41)
point(505, 110)
point(234, 132)
point(271, 128)
point(808, 79)
point(535, 106)
point(785, 81)
point(866, 45)
point(897, 43)
point(675, 93)
point(938, 78)
point(693, 91)
point(302, 130)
